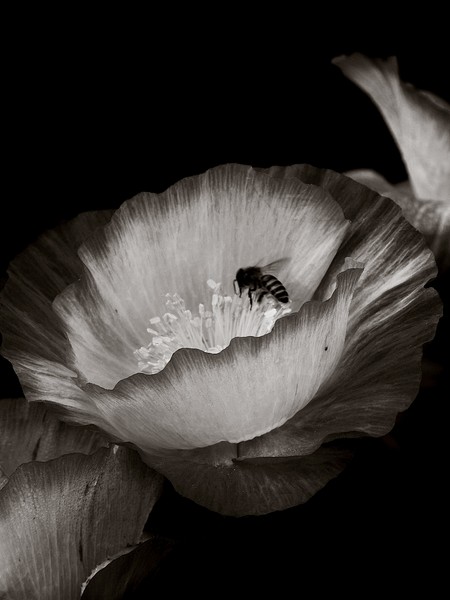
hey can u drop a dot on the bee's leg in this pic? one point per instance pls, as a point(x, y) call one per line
point(261, 295)
point(250, 297)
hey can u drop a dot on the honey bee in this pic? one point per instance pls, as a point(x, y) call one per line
point(259, 279)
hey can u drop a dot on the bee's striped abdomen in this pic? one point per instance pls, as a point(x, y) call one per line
point(275, 287)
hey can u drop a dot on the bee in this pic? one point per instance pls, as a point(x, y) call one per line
point(259, 279)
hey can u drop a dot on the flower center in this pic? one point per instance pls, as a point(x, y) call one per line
point(211, 330)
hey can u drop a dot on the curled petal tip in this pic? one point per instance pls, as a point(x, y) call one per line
point(418, 121)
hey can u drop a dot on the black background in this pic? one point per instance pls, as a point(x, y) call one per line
point(98, 114)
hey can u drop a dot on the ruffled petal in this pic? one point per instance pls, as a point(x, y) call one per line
point(392, 316)
point(430, 217)
point(393, 252)
point(35, 278)
point(419, 122)
point(370, 179)
point(33, 339)
point(249, 388)
point(29, 432)
point(201, 228)
point(250, 487)
point(122, 576)
point(62, 518)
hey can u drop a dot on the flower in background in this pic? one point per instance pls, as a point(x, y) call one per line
point(420, 124)
point(129, 322)
point(70, 504)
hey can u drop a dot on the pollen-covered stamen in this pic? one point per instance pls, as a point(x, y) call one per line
point(216, 324)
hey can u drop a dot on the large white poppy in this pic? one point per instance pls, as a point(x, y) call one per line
point(118, 321)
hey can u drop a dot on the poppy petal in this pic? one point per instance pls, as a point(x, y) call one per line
point(63, 517)
point(35, 278)
point(392, 316)
point(3, 479)
point(419, 121)
point(430, 217)
point(250, 487)
point(33, 339)
point(30, 432)
point(123, 575)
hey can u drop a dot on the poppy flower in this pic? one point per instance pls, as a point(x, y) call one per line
point(129, 322)
point(420, 124)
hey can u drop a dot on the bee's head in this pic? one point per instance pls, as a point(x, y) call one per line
point(239, 282)
point(242, 277)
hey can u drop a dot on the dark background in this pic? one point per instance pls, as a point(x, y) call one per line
point(97, 115)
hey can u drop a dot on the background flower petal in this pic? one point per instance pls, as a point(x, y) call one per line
point(249, 388)
point(419, 122)
point(204, 227)
point(392, 316)
point(61, 518)
point(121, 577)
point(30, 432)
point(430, 217)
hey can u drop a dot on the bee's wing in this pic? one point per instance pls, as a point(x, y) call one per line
point(275, 266)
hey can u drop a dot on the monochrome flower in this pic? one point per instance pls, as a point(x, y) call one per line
point(130, 322)
point(420, 124)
